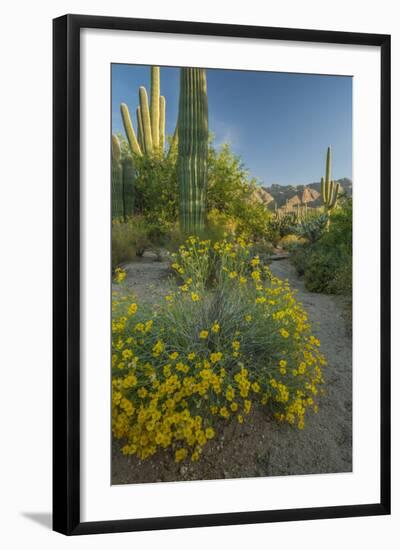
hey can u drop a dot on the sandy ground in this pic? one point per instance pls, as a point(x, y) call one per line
point(261, 447)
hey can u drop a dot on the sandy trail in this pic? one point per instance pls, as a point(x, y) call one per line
point(261, 447)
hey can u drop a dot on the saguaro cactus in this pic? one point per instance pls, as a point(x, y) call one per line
point(128, 185)
point(192, 149)
point(122, 181)
point(150, 138)
point(329, 189)
point(116, 179)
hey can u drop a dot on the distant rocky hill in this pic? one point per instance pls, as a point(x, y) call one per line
point(298, 194)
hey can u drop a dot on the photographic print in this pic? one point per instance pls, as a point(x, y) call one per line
point(231, 221)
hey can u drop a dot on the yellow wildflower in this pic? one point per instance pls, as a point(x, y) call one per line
point(236, 345)
point(132, 309)
point(180, 455)
point(210, 433)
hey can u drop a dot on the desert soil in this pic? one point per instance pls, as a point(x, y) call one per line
point(261, 447)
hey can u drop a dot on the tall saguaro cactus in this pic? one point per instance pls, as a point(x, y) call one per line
point(192, 149)
point(329, 189)
point(150, 137)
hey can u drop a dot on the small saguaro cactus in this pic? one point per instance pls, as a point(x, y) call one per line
point(128, 185)
point(116, 179)
point(150, 136)
point(192, 149)
point(329, 189)
point(122, 181)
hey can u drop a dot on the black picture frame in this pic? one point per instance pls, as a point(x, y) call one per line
point(66, 273)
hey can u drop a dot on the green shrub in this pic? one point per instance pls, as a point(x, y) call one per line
point(156, 189)
point(326, 263)
point(231, 194)
point(280, 225)
point(291, 241)
point(312, 229)
point(131, 238)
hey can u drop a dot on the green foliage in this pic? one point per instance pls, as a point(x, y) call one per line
point(156, 190)
point(327, 263)
point(280, 225)
point(291, 241)
point(230, 196)
point(192, 149)
point(312, 229)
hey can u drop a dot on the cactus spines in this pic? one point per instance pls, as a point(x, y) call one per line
point(155, 105)
point(116, 179)
point(329, 189)
point(162, 122)
point(130, 132)
point(192, 149)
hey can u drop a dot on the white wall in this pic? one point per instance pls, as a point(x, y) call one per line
point(25, 215)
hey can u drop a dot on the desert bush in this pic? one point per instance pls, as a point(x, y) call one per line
point(205, 357)
point(133, 236)
point(231, 193)
point(312, 228)
point(280, 225)
point(326, 263)
point(156, 189)
point(291, 241)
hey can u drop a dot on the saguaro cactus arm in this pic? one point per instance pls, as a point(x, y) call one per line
point(130, 132)
point(146, 122)
point(162, 123)
point(115, 148)
point(140, 127)
point(155, 105)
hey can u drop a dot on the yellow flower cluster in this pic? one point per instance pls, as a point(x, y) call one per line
point(119, 275)
point(176, 376)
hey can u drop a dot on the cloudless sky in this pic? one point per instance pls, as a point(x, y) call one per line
point(280, 124)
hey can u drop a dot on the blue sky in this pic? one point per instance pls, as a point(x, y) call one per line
point(280, 124)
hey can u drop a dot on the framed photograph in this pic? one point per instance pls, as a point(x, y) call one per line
point(221, 274)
